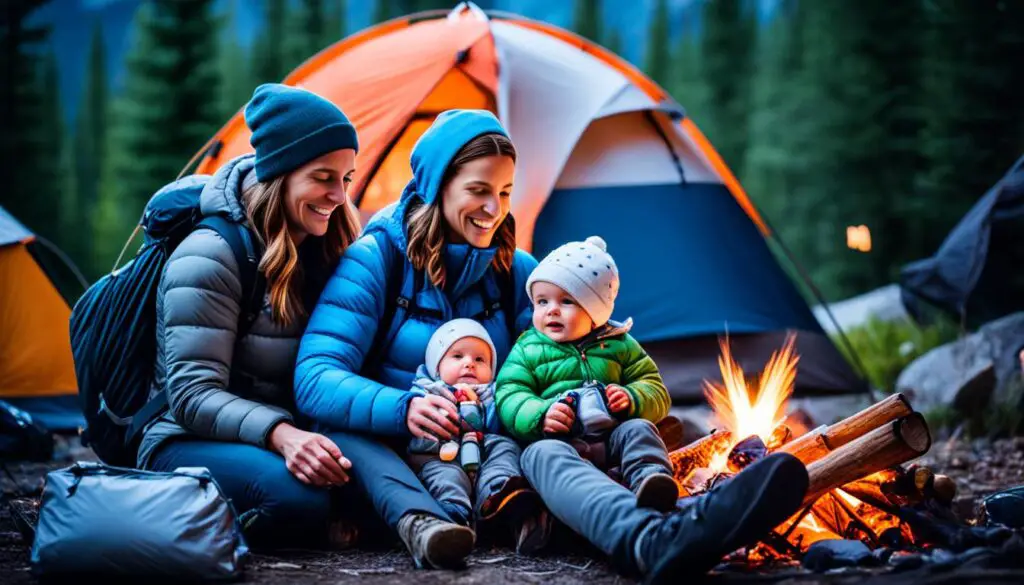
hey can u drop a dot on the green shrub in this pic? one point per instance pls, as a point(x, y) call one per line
point(884, 348)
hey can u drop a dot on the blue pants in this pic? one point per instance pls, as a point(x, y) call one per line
point(589, 502)
point(279, 511)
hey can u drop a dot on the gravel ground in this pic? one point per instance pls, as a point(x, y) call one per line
point(979, 468)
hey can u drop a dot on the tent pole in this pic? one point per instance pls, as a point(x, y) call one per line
point(821, 299)
point(82, 280)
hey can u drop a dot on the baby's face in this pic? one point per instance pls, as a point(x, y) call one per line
point(558, 315)
point(468, 361)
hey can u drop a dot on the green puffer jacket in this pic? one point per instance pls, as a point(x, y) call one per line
point(538, 371)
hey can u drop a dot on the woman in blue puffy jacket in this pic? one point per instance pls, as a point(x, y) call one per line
point(445, 250)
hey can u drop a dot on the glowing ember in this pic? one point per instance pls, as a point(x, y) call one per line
point(744, 411)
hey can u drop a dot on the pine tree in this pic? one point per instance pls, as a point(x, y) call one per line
point(726, 48)
point(382, 11)
point(168, 111)
point(335, 27)
point(771, 164)
point(843, 129)
point(657, 62)
point(52, 175)
point(271, 56)
point(973, 78)
point(90, 134)
point(23, 148)
point(308, 29)
point(779, 135)
point(613, 41)
point(236, 77)
point(587, 20)
point(684, 81)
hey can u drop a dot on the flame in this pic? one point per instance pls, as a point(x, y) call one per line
point(745, 412)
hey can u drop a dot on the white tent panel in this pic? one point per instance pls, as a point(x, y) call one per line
point(550, 92)
point(629, 99)
point(626, 149)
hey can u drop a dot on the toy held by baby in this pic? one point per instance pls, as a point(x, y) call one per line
point(593, 420)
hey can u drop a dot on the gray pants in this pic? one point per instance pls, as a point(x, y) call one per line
point(452, 488)
point(586, 500)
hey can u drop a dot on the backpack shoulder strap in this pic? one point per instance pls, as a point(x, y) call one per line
point(254, 285)
point(507, 292)
point(392, 304)
point(505, 303)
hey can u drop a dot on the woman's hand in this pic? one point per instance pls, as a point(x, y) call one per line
point(311, 457)
point(559, 419)
point(432, 417)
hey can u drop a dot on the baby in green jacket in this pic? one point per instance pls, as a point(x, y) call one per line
point(578, 376)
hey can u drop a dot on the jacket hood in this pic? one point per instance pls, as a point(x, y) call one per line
point(222, 195)
point(430, 158)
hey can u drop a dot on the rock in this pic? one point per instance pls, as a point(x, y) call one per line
point(1006, 336)
point(883, 303)
point(1005, 508)
point(966, 374)
point(824, 555)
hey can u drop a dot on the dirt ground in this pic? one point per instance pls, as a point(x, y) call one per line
point(979, 468)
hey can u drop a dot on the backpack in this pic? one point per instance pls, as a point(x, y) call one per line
point(397, 298)
point(113, 325)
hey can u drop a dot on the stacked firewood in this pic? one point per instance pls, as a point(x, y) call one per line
point(882, 436)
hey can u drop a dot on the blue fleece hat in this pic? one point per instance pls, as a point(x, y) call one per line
point(292, 126)
point(440, 143)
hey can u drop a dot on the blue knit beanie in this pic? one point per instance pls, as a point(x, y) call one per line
point(292, 126)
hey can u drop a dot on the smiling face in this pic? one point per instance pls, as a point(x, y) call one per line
point(478, 199)
point(558, 315)
point(315, 190)
point(467, 361)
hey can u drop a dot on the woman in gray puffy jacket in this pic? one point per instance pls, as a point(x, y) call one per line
point(231, 400)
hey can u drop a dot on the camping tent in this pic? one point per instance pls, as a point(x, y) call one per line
point(976, 273)
point(602, 150)
point(37, 373)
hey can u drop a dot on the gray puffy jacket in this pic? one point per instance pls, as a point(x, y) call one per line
point(217, 389)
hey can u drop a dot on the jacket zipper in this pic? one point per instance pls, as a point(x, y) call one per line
point(585, 366)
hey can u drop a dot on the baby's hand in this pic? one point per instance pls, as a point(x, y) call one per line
point(468, 392)
point(559, 419)
point(618, 398)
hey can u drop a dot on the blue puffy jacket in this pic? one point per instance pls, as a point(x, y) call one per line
point(334, 383)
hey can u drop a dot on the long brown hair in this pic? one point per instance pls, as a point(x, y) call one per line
point(264, 205)
point(425, 224)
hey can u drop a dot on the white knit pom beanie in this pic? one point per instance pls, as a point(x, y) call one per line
point(445, 337)
point(586, 271)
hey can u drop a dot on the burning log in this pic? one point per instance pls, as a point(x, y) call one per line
point(698, 453)
point(890, 444)
point(819, 442)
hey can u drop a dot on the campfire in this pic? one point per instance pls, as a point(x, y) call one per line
point(857, 482)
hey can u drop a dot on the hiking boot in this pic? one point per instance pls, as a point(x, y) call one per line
point(534, 533)
point(435, 543)
point(657, 491)
point(734, 514)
